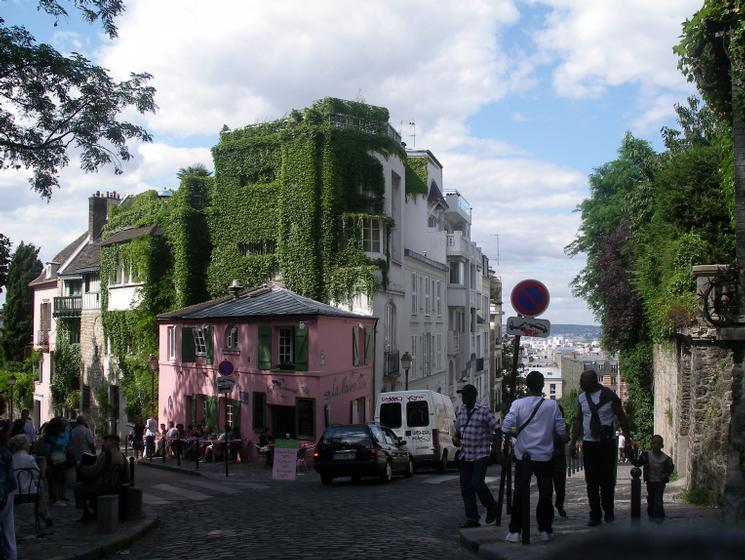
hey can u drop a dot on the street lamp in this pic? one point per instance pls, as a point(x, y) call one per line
point(152, 364)
point(406, 364)
point(11, 383)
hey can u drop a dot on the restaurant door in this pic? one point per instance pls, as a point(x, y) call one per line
point(283, 420)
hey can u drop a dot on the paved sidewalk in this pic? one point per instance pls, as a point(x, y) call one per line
point(488, 541)
point(69, 539)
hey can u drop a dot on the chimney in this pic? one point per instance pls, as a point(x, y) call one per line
point(98, 206)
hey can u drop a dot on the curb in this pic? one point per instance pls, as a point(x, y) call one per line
point(115, 542)
point(475, 546)
point(166, 467)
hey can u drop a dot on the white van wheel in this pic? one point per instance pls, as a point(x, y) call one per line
point(442, 466)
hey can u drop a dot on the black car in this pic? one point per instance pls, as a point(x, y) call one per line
point(359, 450)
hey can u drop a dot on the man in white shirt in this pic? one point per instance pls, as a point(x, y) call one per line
point(28, 427)
point(621, 446)
point(532, 421)
point(151, 430)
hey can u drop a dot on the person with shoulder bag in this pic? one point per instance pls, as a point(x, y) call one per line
point(596, 409)
point(532, 422)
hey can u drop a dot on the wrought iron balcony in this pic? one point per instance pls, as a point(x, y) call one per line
point(719, 289)
point(68, 306)
point(391, 363)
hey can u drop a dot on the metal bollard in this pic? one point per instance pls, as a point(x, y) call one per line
point(636, 496)
point(165, 446)
point(196, 454)
point(131, 471)
point(178, 452)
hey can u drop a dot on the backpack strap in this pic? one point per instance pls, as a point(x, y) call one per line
point(532, 415)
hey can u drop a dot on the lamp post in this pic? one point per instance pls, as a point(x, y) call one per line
point(406, 364)
point(152, 364)
point(11, 383)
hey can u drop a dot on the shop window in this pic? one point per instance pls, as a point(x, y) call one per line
point(259, 412)
point(305, 415)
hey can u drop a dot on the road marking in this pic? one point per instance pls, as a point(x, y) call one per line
point(188, 494)
point(441, 479)
point(151, 500)
point(224, 489)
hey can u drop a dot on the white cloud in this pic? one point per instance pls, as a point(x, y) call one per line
point(240, 62)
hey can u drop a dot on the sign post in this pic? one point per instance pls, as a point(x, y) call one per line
point(225, 383)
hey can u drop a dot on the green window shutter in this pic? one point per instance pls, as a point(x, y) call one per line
point(208, 343)
point(368, 339)
point(236, 415)
point(194, 409)
point(188, 353)
point(301, 349)
point(355, 346)
point(265, 347)
point(212, 412)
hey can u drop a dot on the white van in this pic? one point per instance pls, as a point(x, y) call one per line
point(424, 419)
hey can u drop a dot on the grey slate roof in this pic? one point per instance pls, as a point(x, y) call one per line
point(59, 258)
point(128, 234)
point(270, 300)
point(89, 258)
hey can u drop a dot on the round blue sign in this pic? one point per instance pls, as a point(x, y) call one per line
point(225, 368)
point(529, 298)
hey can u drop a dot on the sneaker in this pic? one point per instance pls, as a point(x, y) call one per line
point(60, 503)
point(546, 536)
point(513, 538)
point(491, 515)
point(609, 517)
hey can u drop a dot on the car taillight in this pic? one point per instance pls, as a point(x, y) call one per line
point(374, 452)
point(436, 438)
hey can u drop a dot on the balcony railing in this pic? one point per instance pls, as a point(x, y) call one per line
point(42, 338)
point(391, 363)
point(453, 342)
point(68, 306)
point(91, 301)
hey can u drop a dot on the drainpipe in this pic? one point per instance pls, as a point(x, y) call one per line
point(375, 353)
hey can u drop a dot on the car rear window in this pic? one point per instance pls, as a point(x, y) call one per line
point(417, 414)
point(347, 435)
point(390, 415)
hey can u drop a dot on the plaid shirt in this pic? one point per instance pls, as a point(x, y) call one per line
point(476, 438)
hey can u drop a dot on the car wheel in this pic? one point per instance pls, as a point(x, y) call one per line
point(409, 468)
point(442, 466)
point(387, 475)
point(327, 479)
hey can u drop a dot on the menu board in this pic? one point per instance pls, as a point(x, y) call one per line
point(285, 459)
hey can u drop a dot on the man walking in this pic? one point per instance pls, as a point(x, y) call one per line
point(533, 422)
point(28, 426)
point(475, 427)
point(596, 408)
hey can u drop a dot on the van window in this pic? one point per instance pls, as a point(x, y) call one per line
point(417, 414)
point(390, 415)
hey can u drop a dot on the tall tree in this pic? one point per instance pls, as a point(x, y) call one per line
point(17, 331)
point(52, 103)
point(712, 53)
point(4, 260)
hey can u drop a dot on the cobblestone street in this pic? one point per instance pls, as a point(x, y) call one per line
point(415, 518)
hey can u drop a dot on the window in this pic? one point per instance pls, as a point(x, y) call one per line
point(285, 346)
point(390, 328)
point(264, 247)
point(413, 354)
point(438, 351)
point(421, 292)
point(552, 390)
point(171, 343)
point(372, 235)
point(361, 346)
point(45, 314)
point(432, 221)
point(200, 341)
point(473, 277)
point(417, 414)
point(73, 287)
point(413, 293)
point(439, 299)
point(305, 415)
point(85, 398)
point(73, 326)
point(259, 412)
point(390, 415)
point(231, 339)
point(455, 272)
point(427, 304)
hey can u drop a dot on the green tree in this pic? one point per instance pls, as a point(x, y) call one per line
point(712, 53)
point(53, 103)
point(4, 260)
point(17, 333)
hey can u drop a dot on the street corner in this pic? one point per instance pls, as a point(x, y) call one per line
point(474, 538)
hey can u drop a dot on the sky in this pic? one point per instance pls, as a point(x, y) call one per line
point(518, 99)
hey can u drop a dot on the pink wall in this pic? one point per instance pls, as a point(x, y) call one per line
point(331, 380)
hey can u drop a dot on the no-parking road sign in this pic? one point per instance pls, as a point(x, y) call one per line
point(530, 298)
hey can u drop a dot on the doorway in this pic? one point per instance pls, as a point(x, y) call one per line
point(283, 420)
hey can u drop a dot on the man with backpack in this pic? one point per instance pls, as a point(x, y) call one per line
point(597, 407)
point(532, 422)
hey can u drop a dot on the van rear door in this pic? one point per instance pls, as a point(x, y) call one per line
point(418, 432)
point(390, 413)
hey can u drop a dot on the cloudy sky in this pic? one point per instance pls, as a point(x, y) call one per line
point(519, 100)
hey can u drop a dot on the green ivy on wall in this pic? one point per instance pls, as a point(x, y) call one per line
point(65, 382)
point(416, 176)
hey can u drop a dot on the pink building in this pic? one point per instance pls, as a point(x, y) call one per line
point(299, 365)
